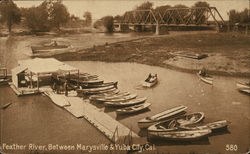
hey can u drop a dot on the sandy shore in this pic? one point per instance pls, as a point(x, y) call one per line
point(228, 53)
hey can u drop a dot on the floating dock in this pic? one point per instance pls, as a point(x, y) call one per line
point(23, 91)
point(79, 107)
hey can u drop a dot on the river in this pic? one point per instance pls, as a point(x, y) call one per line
point(34, 119)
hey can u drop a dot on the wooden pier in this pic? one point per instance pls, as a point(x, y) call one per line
point(111, 128)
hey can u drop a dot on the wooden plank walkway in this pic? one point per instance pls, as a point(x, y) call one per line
point(106, 124)
point(102, 121)
point(58, 99)
point(76, 106)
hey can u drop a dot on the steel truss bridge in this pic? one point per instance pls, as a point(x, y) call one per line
point(195, 16)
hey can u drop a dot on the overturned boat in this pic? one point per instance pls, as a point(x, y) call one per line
point(167, 114)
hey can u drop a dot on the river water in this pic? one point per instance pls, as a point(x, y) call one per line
point(34, 119)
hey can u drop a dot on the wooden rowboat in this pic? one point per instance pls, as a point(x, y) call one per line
point(206, 79)
point(124, 98)
point(186, 135)
point(245, 90)
point(105, 97)
point(95, 89)
point(167, 114)
point(126, 103)
point(113, 90)
point(133, 109)
point(100, 85)
point(242, 85)
point(217, 125)
point(153, 81)
point(173, 124)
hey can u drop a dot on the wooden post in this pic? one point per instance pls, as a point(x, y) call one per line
point(37, 81)
point(31, 84)
point(78, 79)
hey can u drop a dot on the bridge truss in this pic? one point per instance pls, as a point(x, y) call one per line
point(173, 16)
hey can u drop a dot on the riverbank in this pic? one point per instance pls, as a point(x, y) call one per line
point(228, 53)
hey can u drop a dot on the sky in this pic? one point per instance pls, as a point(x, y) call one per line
point(100, 8)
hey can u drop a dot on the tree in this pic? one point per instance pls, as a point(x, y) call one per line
point(145, 6)
point(10, 13)
point(88, 18)
point(200, 16)
point(108, 22)
point(36, 18)
point(239, 17)
point(58, 14)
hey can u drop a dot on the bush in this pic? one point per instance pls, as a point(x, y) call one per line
point(108, 23)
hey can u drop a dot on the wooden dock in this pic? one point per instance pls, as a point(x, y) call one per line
point(23, 91)
point(111, 128)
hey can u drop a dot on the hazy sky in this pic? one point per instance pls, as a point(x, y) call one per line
point(100, 8)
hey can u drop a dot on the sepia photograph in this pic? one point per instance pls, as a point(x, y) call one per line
point(124, 76)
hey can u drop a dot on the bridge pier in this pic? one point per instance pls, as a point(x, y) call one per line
point(161, 30)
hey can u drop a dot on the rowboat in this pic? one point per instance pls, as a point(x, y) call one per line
point(124, 98)
point(217, 125)
point(167, 114)
point(206, 79)
point(5, 106)
point(100, 85)
point(242, 85)
point(37, 49)
point(95, 89)
point(173, 124)
point(133, 109)
point(113, 90)
point(126, 103)
point(245, 90)
point(150, 82)
point(105, 97)
point(182, 135)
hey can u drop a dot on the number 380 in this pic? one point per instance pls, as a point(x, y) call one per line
point(231, 147)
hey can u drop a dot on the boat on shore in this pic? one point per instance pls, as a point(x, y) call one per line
point(214, 126)
point(101, 97)
point(167, 114)
point(133, 109)
point(174, 124)
point(126, 103)
point(181, 135)
point(207, 79)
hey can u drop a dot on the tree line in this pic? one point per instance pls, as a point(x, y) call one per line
point(50, 14)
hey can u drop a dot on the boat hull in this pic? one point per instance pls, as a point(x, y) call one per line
point(208, 80)
point(133, 109)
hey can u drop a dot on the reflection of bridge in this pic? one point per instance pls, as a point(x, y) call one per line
point(197, 16)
